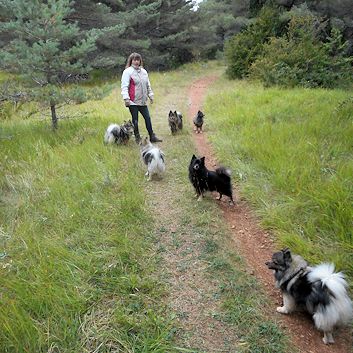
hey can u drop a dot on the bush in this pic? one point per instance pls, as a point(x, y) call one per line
point(243, 49)
point(301, 59)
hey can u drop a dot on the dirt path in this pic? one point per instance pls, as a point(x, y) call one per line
point(257, 246)
point(192, 293)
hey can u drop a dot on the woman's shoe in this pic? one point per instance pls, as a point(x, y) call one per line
point(154, 138)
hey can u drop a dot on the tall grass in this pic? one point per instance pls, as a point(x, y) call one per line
point(291, 152)
point(79, 257)
point(76, 260)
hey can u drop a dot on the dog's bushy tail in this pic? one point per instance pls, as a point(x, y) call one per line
point(180, 121)
point(340, 309)
point(325, 273)
point(111, 133)
point(156, 164)
point(225, 172)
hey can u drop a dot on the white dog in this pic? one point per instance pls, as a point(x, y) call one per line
point(153, 157)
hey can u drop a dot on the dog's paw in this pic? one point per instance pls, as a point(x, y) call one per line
point(328, 338)
point(199, 198)
point(282, 310)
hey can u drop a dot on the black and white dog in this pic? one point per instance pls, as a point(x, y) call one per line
point(198, 121)
point(319, 290)
point(204, 180)
point(175, 121)
point(119, 134)
point(153, 157)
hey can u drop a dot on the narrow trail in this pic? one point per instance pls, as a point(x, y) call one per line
point(192, 293)
point(256, 246)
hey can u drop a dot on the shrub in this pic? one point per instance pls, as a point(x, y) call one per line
point(301, 59)
point(243, 49)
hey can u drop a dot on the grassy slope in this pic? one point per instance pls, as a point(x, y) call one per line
point(291, 151)
point(76, 259)
point(193, 225)
point(79, 268)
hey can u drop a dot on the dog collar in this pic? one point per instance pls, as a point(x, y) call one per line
point(289, 281)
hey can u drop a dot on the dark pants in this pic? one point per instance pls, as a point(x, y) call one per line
point(143, 109)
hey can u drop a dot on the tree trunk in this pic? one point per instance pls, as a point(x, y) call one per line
point(54, 118)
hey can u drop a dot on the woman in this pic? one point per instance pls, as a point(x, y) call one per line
point(136, 89)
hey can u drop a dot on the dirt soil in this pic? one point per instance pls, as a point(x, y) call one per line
point(257, 246)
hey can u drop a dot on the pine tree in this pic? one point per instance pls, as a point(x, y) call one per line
point(48, 52)
point(171, 34)
point(218, 21)
point(124, 23)
point(161, 30)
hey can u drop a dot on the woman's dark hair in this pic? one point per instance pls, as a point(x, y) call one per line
point(132, 57)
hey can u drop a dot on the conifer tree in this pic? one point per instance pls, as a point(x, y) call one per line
point(48, 52)
point(218, 21)
point(127, 31)
point(171, 32)
point(161, 30)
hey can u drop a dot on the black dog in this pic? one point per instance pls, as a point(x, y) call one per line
point(198, 121)
point(206, 180)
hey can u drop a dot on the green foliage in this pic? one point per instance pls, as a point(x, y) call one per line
point(160, 30)
point(216, 21)
point(170, 34)
point(76, 262)
point(80, 261)
point(291, 151)
point(244, 48)
point(301, 59)
point(46, 49)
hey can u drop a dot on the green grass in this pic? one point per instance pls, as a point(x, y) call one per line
point(200, 224)
point(80, 259)
point(79, 254)
point(291, 154)
point(76, 258)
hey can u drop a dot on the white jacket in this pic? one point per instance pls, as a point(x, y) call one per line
point(135, 85)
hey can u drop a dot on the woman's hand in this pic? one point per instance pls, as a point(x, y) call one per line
point(127, 102)
point(151, 100)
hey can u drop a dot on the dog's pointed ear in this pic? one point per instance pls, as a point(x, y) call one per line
point(202, 160)
point(170, 112)
point(193, 157)
point(175, 112)
point(286, 254)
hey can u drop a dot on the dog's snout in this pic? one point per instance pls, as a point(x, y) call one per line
point(270, 264)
